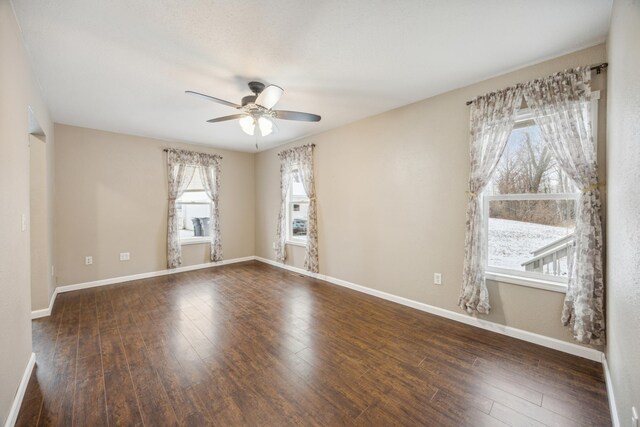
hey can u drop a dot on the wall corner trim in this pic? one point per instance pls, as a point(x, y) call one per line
point(615, 421)
point(36, 314)
point(22, 388)
point(553, 343)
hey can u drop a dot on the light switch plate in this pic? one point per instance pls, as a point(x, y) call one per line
point(437, 278)
point(88, 260)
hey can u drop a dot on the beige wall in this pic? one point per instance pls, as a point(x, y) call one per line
point(111, 197)
point(391, 202)
point(40, 223)
point(18, 92)
point(623, 176)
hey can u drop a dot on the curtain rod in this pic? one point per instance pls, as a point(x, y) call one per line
point(597, 68)
point(166, 149)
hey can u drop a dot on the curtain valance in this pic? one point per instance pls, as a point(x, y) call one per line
point(191, 158)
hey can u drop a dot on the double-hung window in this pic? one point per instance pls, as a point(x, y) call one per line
point(194, 212)
point(529, 212)
point(297, 211)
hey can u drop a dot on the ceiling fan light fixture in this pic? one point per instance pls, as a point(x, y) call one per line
point(248, 125)
point(266, 126)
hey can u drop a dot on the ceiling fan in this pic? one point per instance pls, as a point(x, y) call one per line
point(256, 111)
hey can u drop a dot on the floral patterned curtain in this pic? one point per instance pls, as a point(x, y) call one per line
point(561, 106)
point(182, 165)
point(210, 177)
point(300, 159)
point(492, 119)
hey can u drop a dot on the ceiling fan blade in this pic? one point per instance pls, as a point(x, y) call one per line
point(225, 118)
point(269, 96)
point(211, 98)
point(297, 115)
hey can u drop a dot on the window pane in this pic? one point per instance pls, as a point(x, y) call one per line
point(299, 219)
point(193, 220)
point(297, 189)
point(528, 166)
point(531, 235)
point(194, 196)
point(196, 183)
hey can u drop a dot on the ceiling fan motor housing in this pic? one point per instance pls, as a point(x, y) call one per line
point(256, 87)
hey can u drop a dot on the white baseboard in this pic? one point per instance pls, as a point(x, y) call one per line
point(36, 314)
point(556, 344)
point(121, 279)
point(22, 388)
point(615, 421)
point(68, 288)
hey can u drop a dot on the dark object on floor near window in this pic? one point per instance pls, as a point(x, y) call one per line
point(197, 227)
point(201, 227)
point(204, 226)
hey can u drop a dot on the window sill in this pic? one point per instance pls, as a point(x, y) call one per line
point(547, 285)
point(195, 241)
point(296, 243)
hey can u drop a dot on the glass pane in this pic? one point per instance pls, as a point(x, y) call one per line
point(194, 220)
point(528, 166)
point(299, 218)
point(297, 189)
point(531, 235)
point(194, 196)
point(196, 182)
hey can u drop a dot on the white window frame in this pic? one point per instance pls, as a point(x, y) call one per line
point(291, 199)
point(530, 278)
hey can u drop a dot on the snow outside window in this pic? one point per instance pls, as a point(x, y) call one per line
point(297, 211)
point(194, 212)
point(529, 210)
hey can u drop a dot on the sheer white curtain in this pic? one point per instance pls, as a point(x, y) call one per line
point(300, 159)
point(561, 106)
point(181, 166)
point(492, 119)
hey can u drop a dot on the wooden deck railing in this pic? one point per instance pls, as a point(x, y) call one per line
point(553, 258)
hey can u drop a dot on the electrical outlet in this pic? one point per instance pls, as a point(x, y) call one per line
point(125, 256)
point(634, 417)
point(88, 260)
point(437, 279)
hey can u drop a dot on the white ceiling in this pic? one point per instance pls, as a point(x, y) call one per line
point(123, 66)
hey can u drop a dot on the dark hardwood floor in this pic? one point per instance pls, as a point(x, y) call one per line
point(250, 344)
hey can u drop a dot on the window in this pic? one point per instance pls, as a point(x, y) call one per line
point(194, 212)
point(529, 212)
point(297, 211)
